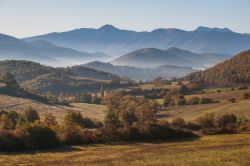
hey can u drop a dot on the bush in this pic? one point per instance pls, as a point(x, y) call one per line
point(243, 87)
point(221, 124)
point(151, 131)
point(193, 126)
point(207, 122)
point(75, 135)
point(245, 96)
point(109, 133)
point(194, 100)
point(38, 137)
point(204, 100)
point(178, 123)
point(10, 142)
point(227, 123)
point(232, 100)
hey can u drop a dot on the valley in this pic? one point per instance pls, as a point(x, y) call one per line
point(140, 83)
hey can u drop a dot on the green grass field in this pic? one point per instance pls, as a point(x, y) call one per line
point(224, 150)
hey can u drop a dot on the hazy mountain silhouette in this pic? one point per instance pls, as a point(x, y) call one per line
point(143, 74)
point(43, 52)
point(117, 42)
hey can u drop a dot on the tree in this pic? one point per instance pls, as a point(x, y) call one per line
point(8, 79)
point(112, 118)
point(50, 120)
point(102, 92)
point(184, 89)
point(208, 121)
point(95, 99)
point(73, 118)
point(6, 122)
point(178, 122)
point(180, 100)
point(225, 120)
point(194, 100)
point(31, 115)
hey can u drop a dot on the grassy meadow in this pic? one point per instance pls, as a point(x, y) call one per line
point(224, 150)
point(92, 111)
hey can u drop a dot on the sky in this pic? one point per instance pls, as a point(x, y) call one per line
point(23, 18)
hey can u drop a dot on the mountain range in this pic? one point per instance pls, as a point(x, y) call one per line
point(43, 52)
point(152, 57)
point(116, 42)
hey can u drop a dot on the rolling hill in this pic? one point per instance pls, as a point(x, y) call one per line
point(141, 74)
point(236, 69)
point(43, 52)
point(117, 42)
point(74, 79)
point(152, 57)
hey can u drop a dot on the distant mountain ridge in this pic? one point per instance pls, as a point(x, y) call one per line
point(152, 57)
point(117, 42)
point(43, 52)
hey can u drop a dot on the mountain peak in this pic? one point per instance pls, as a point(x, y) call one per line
point(207, 29)
point(108, 27)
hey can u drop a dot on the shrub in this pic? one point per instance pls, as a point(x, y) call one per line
point(232, 100)
point(38, 137)
point(218, 91)
point(243, 87)
point(194, 100)
point(226, 122)
point(245, 96)
point(71, 135)
point(207, 122)
point(6, 122)
point(193, 126)
point(109, 133)
point(204, 100)
point(10, 142)
point(183, 89)
point(50, 120)
point(163, 131)
point(178, 123)
point(180, 100)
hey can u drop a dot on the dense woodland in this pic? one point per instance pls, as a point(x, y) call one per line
point(236, 69)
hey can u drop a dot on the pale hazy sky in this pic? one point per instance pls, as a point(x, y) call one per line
point(23, 18)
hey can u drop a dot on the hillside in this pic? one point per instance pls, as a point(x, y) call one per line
point(143, 74)
point(236, 69)
point(44, 78)
point(152, 57)
point(117, 42)
point(44, 52)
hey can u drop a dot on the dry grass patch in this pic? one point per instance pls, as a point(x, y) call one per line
point(228, 150)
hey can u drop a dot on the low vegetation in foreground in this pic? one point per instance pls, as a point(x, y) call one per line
point(225, 150)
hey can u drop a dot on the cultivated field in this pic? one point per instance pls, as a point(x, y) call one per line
point(224, 150)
